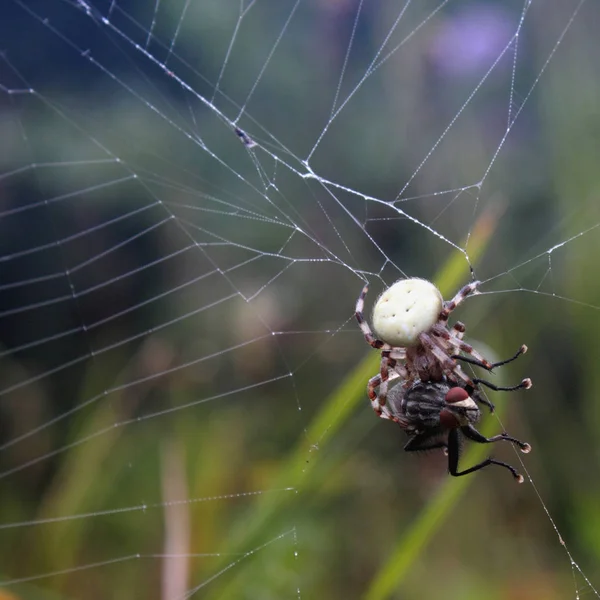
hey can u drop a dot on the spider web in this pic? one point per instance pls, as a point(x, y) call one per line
point(193, 194)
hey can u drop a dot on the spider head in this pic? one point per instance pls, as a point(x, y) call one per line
point(459, 409)
point(405, 310)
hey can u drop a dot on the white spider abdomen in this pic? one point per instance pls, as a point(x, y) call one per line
point(405, 310)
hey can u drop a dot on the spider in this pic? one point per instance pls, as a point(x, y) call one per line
point(411, 320)
point(439, 415)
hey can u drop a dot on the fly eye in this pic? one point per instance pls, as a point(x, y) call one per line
point(456, 394)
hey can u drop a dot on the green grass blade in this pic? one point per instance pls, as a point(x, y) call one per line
point(424, 527)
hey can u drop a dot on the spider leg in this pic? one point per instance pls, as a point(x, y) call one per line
point(372, 385)
point(450, 305)
point(399, 371)
point(364, 326)
point(449, 366)
point(454, 452)
point(397, 353)
point(524, 385)
point(378, 400)
point(384, 375)
point(478, 363)
point(440, 331)
point(458, 330)
point(389, 371)
point(472, 433)
point(518, 353)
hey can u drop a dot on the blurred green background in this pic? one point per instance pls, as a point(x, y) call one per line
point(182, 399)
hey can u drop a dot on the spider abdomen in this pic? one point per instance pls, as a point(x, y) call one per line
point(405, 310)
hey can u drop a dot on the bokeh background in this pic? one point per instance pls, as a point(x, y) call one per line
point(182, 405)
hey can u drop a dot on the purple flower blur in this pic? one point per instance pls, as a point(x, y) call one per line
point(469, 41)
